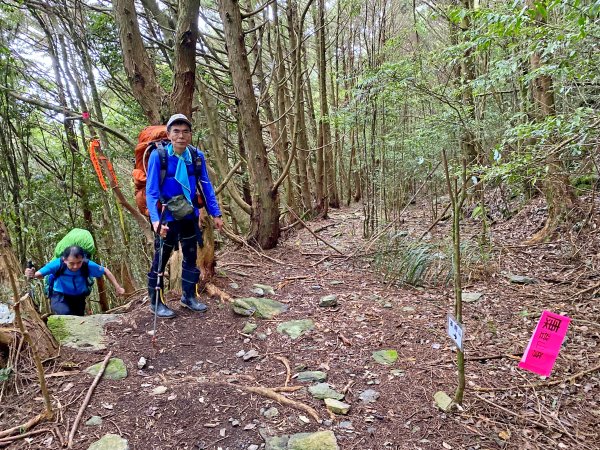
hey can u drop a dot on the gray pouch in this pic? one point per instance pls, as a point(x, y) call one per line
point(179, 207)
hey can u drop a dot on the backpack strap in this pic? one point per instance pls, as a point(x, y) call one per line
point(61, 269)
point(197, 164)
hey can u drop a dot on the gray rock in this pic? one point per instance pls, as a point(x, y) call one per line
point(408, 309)
point(240, 353)
point(309, 376)
point(110, 442)
point(346, 425)
point(159, 390)
point(265, 288)
point(471, 297)
point(520, 279)
point(323, 391)
point(115, 370)
point(295, 328)
point(250, 354)
point(321, 440)
point(387, 305)
point(369, 396)
point(141, 362)
point(276, 442)
point(234, 285)
point(94, 421)
point(328, 300)
point(271, 413)
point(263, 308)
point(249, 328)
point(336, 282)
point(262, 336)
point(257, 291)
point(337, 407)
point(387, 357)
point(253, 447)
point(82, 333)
point(443, 401)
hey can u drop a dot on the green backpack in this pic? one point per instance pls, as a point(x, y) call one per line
point(81, 238)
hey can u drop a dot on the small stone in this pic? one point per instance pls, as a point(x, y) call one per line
point(265, 288)
point(520, 279)
point(336, 282)
point(337, 407)
point(234, 285)
point(387, 305)
point(316, 287)
point(323, 391)
point(94, 421)
point(240, 353)
point(253, 447)
point(261, 336)
point(435, 346)
point(110, 441)
point(328, 300)
point(159, 390)
point(115, 369)
point(387, 357)
point(346, 425)
point(442, 401)
point(471, 297)
point(249, 328)
point(369, 396)
point(249, 426)
point(141, 363)
point(172, 397)
point(303, 419)
point(271, 413)
point(408, 309)
point(309, 376)
point(250, 354)
point(257, 291)
point(235, 423)
point(295, 328)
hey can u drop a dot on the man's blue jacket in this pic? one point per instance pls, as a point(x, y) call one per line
point(170, 187)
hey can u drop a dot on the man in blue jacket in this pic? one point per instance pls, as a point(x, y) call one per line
point(177, 189)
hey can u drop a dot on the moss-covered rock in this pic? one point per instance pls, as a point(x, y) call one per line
point(82, 333)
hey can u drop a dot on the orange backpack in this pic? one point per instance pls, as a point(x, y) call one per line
point(148, 136)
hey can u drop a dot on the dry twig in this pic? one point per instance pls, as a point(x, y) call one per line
point(87, 399)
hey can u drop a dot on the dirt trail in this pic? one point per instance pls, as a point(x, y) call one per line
point(197, 358)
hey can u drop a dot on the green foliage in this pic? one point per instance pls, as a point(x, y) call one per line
point(5, 374)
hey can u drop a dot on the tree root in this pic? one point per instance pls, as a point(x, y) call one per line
point(286, 363)
point(270, 393)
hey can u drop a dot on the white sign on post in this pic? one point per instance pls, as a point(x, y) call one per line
point(456, 332)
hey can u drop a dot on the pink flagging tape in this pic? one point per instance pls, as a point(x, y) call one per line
point(544, 345)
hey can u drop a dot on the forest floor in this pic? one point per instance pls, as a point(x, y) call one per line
point(198, 360)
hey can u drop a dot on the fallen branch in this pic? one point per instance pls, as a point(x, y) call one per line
point(87, 399)
point(270, 393)
point(24, 426)
point(214, 291)
point(539, 385)
point(286, 363)
point(10, 439)
point(312, 232)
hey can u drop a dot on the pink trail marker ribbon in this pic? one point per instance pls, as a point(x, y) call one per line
point(544, 345)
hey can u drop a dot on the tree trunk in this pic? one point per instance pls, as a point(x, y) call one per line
point(186, 37)
point(558, 190)
point(138, 67)
point(264, 226)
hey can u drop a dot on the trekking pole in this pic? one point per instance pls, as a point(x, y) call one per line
point(159, 276)
point(31, 290)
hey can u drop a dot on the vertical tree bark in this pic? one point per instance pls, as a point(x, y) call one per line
point(558, 190)
point(299, 137)
point(186, 36)
point(264, 226)
point(138, 67)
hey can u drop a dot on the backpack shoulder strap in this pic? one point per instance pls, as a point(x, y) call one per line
point(162, 155)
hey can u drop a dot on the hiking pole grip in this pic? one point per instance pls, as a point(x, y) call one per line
point(30, 264)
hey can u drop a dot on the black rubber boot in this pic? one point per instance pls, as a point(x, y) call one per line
point(162, 310)
point(189, 279)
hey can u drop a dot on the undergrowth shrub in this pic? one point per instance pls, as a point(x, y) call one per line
point(405, 260)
